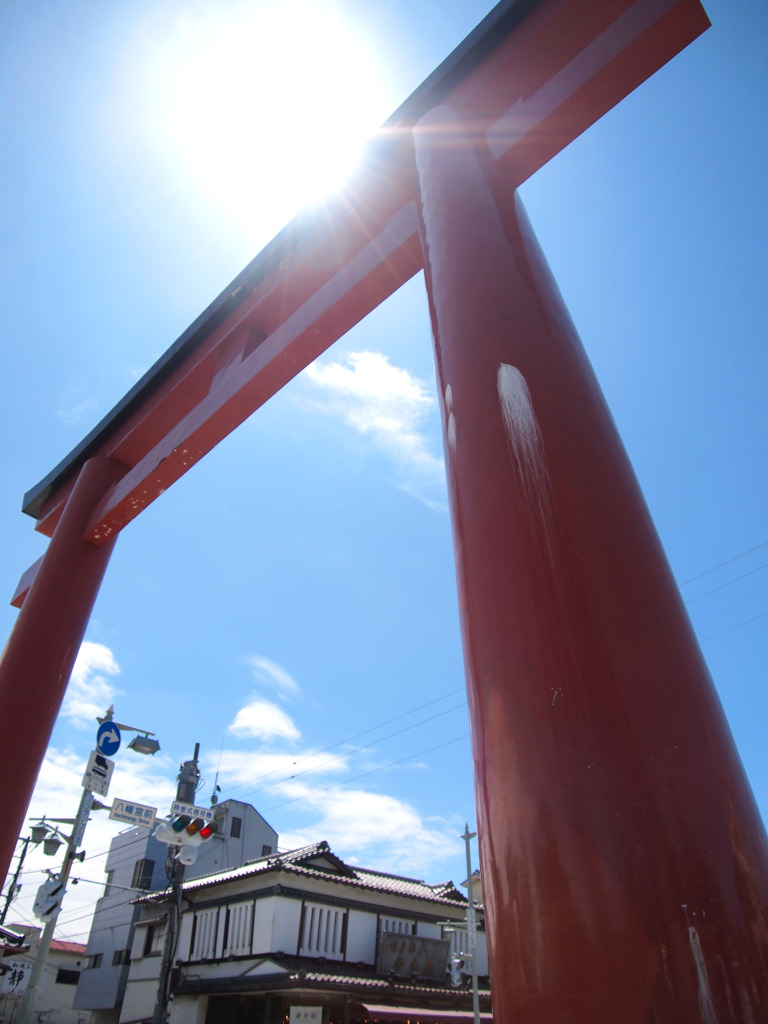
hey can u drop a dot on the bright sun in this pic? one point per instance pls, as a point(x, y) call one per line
point(269, 113)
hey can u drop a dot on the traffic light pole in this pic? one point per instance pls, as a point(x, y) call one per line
point(26, 1010)
point(472, 924)
point(185, 793)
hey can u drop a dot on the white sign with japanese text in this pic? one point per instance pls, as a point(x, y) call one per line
point(206, 813)
point(132, 813)
point(14, 982)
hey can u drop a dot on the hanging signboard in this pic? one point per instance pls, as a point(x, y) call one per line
point(132, 813)
point(206, 813)
point(98, 773)
point(14, 981)
point(306, 1015)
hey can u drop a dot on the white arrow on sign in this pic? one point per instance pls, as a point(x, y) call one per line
point(111, 735)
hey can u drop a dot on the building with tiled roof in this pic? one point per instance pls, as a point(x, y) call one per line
point(305, 938)
point(76, 948)
point(135, 864)
point(55, 991)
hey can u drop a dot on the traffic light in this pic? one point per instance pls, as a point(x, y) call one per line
point(48, 900)
point(210, 828)
point(186, 832)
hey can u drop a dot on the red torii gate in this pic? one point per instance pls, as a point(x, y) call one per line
point(624, 864)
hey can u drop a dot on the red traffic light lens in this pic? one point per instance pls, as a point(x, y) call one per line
point(208, 830)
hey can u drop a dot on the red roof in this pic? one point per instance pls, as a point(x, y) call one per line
point(68, 947)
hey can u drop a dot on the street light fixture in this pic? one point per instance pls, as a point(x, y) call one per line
point(49, 835)
point(144, 744)
point(51, 844)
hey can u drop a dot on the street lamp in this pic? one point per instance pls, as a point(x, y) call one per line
point(49, 835)
point(142, 744)
point(51, 845)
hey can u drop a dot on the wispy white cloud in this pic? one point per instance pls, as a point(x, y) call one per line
point(264, 721)
point(78, 403)
point(389, 405)
point(270, 674)
point(373, 829)
point(265, 770)
point(90, 691)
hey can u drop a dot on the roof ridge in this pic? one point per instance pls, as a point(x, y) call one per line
point(390, 874)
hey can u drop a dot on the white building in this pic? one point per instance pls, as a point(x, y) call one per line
point(56, 991)
point(304, 937)
point(136, 862)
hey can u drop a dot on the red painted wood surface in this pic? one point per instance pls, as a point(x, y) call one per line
point(37, 662)
point(624, 864)
point(561, 69)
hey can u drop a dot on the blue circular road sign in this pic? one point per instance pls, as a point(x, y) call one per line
point(108, 739)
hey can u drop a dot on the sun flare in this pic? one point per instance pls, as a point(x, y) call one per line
point(269, 113)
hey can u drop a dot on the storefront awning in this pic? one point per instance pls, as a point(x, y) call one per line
point(424, 1014)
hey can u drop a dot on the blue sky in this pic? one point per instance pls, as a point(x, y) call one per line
point(290, 604)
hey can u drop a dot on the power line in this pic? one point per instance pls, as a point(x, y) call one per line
point(728, 584)
point(373, 771)
point(337, 785)
point(323, 750)
point(356, 750)
point(722, 564)
point(354, 736)
point(738, 625)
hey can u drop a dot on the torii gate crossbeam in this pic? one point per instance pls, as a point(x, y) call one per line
point(624, 863)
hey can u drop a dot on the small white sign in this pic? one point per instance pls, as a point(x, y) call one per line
point(14, 981)
point(306, 1015)
point(98, 773)
point(206, 813)
point(132, 813)
point(82, 820)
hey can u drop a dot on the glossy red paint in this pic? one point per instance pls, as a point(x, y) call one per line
point(527, 93)
point(625, 870)
point(37, 661)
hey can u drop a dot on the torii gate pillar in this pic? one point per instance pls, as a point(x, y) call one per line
point(624, 867)
point(40, 654)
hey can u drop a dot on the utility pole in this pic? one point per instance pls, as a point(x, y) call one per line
point(73, 841)
point(472, 924)
point(97, 776)
point(12, 887)
point(188, 777)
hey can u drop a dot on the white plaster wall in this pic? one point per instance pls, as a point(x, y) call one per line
point(139, 1001)
point(285, 930)
point(189, 1010)
point(263, 925)
point(361, 937)
point(185, 934)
